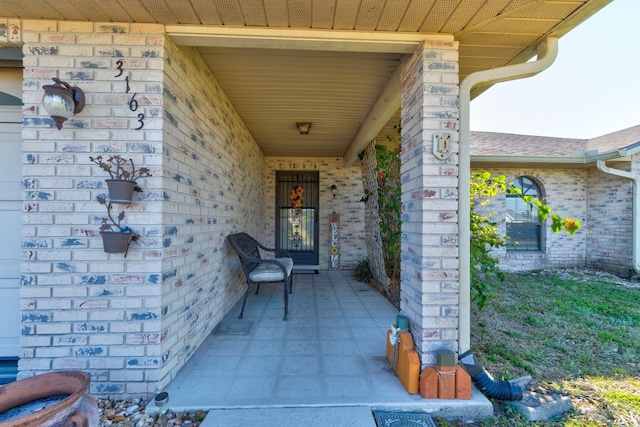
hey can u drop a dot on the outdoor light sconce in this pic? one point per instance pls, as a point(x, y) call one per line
point(334, 190)
point(61, 100)
point(304, 127)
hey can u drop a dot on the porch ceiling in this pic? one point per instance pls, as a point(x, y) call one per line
point(332, 82)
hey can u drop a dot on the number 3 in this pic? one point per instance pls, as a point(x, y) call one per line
point(141, 120)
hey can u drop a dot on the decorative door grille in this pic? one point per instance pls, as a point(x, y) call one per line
point(297, 215)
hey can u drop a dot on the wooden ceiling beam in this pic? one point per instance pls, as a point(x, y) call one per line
point(322, 40)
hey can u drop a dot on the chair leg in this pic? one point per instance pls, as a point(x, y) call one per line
point(244, 302)
point(291, 283)
point(257, 289)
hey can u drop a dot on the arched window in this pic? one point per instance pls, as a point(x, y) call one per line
point(524, 231)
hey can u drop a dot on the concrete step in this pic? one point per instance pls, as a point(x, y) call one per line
point(346, 416)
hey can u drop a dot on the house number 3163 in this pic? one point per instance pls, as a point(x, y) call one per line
point(133, 102)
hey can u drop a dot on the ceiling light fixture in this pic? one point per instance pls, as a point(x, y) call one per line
point(304, 127)
point(61, 101)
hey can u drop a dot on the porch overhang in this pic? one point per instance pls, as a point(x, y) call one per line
point(387, 103)
point(298, 39)
point(490, 35)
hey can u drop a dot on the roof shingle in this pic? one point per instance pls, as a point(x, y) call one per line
point(508, 144)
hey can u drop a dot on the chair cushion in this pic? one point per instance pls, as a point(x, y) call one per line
point(287, 262)
point(271, 272)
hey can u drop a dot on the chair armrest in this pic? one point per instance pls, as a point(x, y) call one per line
point(261, 246)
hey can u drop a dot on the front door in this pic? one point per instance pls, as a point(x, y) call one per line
point(297, 228)
point(10, 212)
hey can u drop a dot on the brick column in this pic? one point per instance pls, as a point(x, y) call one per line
point(430, 198)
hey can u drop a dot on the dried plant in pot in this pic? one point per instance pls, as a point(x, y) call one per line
point(116, 237)
point(123, 175)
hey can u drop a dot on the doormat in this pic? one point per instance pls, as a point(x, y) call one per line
point(402, 419)
point(305, 271)
point(234, 327)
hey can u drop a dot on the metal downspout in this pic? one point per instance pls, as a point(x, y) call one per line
point(547, 52)
point(602, 167)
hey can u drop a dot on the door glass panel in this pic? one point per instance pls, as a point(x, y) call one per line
point(297, 231)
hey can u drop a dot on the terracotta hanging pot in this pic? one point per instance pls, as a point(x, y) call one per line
point(120, 190)
point(115, 242)
point(48, 400)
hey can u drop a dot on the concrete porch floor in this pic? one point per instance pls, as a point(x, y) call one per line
point(326, 364)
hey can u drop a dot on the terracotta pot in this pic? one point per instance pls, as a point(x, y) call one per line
point(115, 242)
point(77, 409)
point(120, 190)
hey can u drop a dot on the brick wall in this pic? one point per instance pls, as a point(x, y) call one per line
point(214, 187)
point(563, 190)
point(610, 216)
point(82, 308)
point(347, 204)
point(131, 322)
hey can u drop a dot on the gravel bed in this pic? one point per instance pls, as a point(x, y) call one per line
point(132, 413)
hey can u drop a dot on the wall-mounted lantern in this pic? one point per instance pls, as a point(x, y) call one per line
point(61, 101)
point(334, 190)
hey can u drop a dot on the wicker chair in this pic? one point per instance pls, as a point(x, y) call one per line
point(258, 270)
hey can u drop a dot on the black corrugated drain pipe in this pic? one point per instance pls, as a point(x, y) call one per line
point(496, 389)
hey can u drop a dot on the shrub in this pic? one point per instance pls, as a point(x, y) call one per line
point(363, 272)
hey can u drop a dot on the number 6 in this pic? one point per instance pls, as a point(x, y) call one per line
point(133, 104)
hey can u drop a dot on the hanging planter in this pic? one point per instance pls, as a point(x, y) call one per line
point(123, 175)
point(121, 190)
point(116, 237)
point(115, 242)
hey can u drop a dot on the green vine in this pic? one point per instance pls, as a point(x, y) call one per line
point(485, 234)
point(389, 207)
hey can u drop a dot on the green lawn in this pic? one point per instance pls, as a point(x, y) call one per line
point(576, 333)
